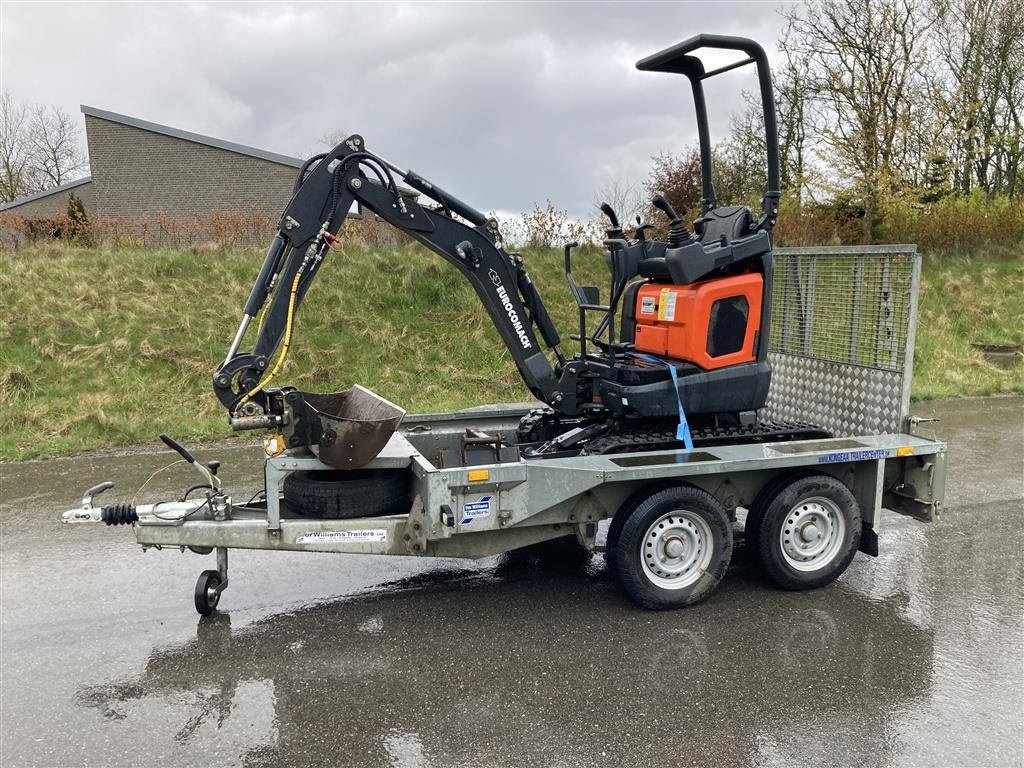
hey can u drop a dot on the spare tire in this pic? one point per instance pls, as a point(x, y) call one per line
point(347, 493)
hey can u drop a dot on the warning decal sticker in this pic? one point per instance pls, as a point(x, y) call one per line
point(647, 305)
point(667, 305)
point(362, 536)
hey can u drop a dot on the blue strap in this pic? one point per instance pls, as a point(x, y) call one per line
point(683, 430)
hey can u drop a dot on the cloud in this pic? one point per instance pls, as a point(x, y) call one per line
point(504, 104)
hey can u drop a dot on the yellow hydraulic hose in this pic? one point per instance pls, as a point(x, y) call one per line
point(263, 315)
point(285, 344)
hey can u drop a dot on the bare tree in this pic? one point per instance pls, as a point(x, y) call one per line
point(54, 141)
point(998, 159)
point(625, 196)
point(1011, 87)
point(739, 164)
point(863, 62)
point(794, 116)
point(794, 106)
point(39, 148)
point(17, 177)
point(978, 87)
point(325, 143)
point(331, 139)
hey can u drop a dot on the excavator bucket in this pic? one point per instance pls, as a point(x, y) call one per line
point(355, 425)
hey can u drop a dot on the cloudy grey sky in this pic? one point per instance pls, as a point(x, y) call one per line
point(502, 104)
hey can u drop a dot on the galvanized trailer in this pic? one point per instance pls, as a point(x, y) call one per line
point(843, 344)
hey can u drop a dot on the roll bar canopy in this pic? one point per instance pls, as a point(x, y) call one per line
point(677, 59)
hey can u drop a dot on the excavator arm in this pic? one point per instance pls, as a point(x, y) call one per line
point(326, 189)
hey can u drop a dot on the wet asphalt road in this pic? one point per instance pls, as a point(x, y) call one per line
point(913, 658)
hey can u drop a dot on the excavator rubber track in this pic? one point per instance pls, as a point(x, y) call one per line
point(737, 434)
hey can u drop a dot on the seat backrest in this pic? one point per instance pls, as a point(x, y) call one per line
point(732, 221)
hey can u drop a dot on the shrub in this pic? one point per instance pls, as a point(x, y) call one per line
point(77, 221)
point(552, 227)
point(958, 224)
point(677, 177)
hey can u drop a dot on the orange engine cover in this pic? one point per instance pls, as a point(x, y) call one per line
point(711, 324)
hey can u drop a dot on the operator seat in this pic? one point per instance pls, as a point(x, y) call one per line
point(729, 221)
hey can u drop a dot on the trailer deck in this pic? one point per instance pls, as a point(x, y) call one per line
point(535, 500)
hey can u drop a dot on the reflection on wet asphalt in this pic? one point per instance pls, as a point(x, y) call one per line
point(913, 658)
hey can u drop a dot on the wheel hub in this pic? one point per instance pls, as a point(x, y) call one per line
point(676, 549)
point(809, 532)
point(812, 534)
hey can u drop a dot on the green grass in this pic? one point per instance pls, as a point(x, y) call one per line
point(965, 301)
point(103, 347)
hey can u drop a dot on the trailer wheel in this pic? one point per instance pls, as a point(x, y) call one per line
point(207, 592)
point(346, 493)
point(611, 546)
point(674, 548)
point(623, 512)
point(810, 532)
point(756, 510)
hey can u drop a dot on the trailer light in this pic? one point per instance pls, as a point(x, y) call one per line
point(273, 445)
point(905, 450)
point(479, 475)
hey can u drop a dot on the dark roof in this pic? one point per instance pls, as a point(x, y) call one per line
point(46, 193)
point(195, 138)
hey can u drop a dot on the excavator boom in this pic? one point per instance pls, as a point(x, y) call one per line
point(325, 193)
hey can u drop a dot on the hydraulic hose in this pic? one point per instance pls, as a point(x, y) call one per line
point(301, 176)
point(289, 323)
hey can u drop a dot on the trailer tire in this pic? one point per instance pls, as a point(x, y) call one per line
point(343, 494)
point(756, 510)
point(810, 532)
point(612, 542)
point(674, 548)
point(619, 518)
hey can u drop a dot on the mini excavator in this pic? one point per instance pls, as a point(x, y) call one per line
point(678, 356)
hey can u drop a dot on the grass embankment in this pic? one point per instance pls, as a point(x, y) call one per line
point(102, 347)
point(963, 301)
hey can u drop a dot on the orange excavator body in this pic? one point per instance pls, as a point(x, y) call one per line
point(712, 324)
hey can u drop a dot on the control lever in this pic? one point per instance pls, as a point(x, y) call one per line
point(677, 231)
point(641, 229)
point(615, 231)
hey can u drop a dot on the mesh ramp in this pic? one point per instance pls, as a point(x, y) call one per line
point(842, 337)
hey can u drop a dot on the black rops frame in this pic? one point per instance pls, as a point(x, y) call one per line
point(675, 59)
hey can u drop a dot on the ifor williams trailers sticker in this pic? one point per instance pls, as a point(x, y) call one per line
point(361, 536)
point(475, 508)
